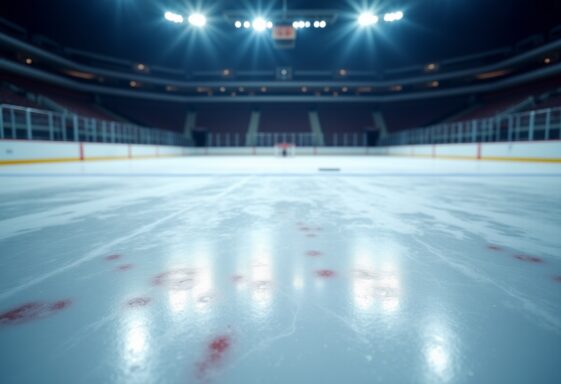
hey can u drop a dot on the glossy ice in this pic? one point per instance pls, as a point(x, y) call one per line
point(265, 270)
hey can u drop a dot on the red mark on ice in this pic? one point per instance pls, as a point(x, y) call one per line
point(180, 279)
point(139, 302)
point(124, 267)
point(217, 349)
point(529, 259)
point(325, 273)
point(313, 253)
point(32, 311)
point(493, 247)
point(112, 257)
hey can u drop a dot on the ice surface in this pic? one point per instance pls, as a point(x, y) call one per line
point(265, 270)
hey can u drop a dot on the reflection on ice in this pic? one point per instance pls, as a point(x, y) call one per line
point(439, 350)
point(136, 342)
point(177, 300)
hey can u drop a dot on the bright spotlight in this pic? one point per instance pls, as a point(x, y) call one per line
point(367, 18)
point(316, 24)
point(322, 24)
point(197, 20)
point(393, 16)
point(238, 24)
point(259, 24)
point(246, 24)
point(173, 17)
point(307, 24)
point(269, 24)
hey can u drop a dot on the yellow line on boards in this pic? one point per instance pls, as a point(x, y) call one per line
point(488, 158)
point(68, 160)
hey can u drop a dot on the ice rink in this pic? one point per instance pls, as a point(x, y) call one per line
point(270, 270)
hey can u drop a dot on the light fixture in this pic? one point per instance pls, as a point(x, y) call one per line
point(238, 24)
point(322, 24)
point(246, 24)
point(259, 24)
point(29, 61)
point(366, 19)
point(393, 16)
point(431, 67)
point(197, 20)
point(173, 17)
point(269, 24)
point(316, 24)
point(547, 60)
point(133, 84)
point(222, 89)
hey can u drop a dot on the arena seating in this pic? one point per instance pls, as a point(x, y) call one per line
point(8, 96)
point(148, 113)
point(343, 119)
point(55, 98)
point(289, 118)
point(224, 118)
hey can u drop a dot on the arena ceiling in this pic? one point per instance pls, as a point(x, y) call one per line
point(432, 30)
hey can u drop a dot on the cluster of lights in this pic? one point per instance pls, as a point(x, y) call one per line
point(393, 16)
point(367, 18)
point(195, 19)
point(259, 24)
point(301, 24)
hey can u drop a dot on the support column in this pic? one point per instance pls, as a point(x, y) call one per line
point(253, 128)
point(380, 124)
point(315, 126)
point(190, 125)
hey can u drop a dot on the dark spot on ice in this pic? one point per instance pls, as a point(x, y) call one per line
point(178, 279)
point(325, 273)
point(557, 279)
point(529, 259)
point(139, 302)
point(493, 247)
point(311, 235)
point(237, 278)
point(124, 267)
point(32, 311)
point(313, 253)
point(205, 298)
point(112, 257)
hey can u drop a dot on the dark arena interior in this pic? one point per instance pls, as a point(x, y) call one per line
point(280, 192)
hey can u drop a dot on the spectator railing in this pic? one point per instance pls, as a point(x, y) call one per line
point(20, 123)
point(268, 139)
point(543, 124)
